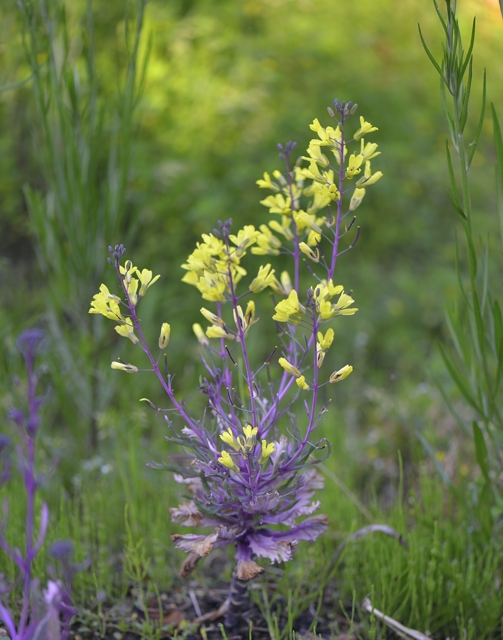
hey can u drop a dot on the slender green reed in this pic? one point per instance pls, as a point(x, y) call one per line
point(474, 353)
point(84, 134)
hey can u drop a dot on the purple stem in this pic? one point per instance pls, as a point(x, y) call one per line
point(241, 334)
point(335, 245)
point(31, 488)
point(153, 361)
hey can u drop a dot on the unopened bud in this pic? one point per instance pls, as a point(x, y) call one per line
point(337, 376)
point(124, 366)
point(200, 335)
point(164, 335)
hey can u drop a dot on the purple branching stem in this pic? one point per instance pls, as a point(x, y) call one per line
point(312, 423)
point(155, 365)
point(31, 488)
point(296, 251)
point(244, 351)
point(335, 245)
point(8, 621)
point(222, 341)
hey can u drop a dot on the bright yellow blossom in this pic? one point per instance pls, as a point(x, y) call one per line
point(249, 440)
point(365, 127)
point(341, 308)
point(226, 460)
point(289, 368)
point(228, 437)
point(312, 254)
point(267, 450)
point(356, 198)
point(146, 281)
point(211, 317)
point(267, 243)
point(289, 310)
point(368, 151)
point(326, 340)
point(132, 289)
point(303, 220)
point(218, 332)
point(244, 238)
point(199, 333)
point(283, 228)
point(315, 154)
point(354, 164)
point(126, 330)
point(267, 183)
point(369, 178)
point(278, 204)
point(337, 376)
point(265, 278)
point(106, 304)
point(302, 384)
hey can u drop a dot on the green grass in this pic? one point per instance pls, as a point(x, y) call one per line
point(444, 583)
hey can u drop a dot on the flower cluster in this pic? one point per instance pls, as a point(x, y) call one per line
point(247, 481)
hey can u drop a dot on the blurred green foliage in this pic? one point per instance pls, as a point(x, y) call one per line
point(225, 82)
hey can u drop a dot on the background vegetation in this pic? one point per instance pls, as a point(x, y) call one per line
point(183, 126)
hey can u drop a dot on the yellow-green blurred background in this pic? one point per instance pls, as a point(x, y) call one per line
point(226, 81)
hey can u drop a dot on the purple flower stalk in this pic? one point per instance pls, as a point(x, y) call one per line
point(249, 463)
point(44, 614)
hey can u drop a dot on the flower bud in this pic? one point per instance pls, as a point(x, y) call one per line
point(199, 333)
point(289, 368)
point(164, 335)
point(124, 366)
point(337, 376)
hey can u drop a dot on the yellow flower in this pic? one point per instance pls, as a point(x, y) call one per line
point(283, 228)
point(368, 177)
point(250, 431)
point(226, 460)
point(123, 366)
point(199, 333)
point(267, 183)
point(164, 335)
point(146, 281)
point(126, 330)
point(244, 238)
point(303, 220)
point(289, 310)
point(218, 332)
point(315, 154)
point(213, 286)
point(265, 278)
point(289, 368)
point(248, 442)
point(132, 289)
point(267, 243)
point(337, 376)
point(312, 254)
point(326, 340)
point(356, 199)
point(267, 450)
point(368, 151)
point(341, 308)
point(106, 304)
point(211, 317)
point(302, 384)
point(229, 438)
point(278, 204)
point(365, 127)
point(313, 173)
point(354, 164)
